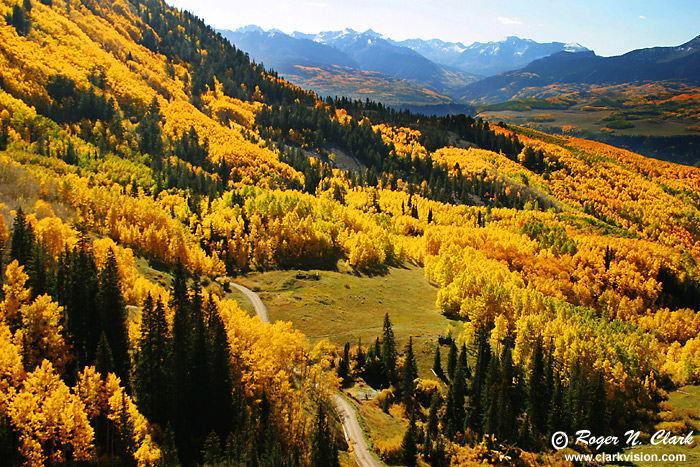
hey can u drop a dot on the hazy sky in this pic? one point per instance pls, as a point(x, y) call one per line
point(609, 27)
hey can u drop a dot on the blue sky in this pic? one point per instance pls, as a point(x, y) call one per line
point(610, 27)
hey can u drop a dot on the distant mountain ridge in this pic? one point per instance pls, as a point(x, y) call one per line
point(489, 58)
point(680, 63)
point(351, 54)
point(421, 72)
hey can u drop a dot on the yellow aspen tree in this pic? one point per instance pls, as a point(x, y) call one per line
point(51, 421)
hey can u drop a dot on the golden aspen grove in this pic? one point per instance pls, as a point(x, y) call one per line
point(132, 134)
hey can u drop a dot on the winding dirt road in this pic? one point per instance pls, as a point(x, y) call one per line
point(345, 410)
point(260, 308)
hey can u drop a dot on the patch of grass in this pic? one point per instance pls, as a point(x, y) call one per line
point(380, 425)
point(344, 307)
point(154, 275)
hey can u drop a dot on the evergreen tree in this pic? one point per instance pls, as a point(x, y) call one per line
point(537, 402)
point(437, 363)
point(388, 352)
point(179, 361)
point(437, 456)
point(152, 379)
point(459, 389)
point(211, 452)
point(323, 450)
point(19, 19)
point(476, 395)
point(38, 270)
point(409, 448)
point(556, 418)
point(408, 377)
point(575, 404)
point(431, 428)
point(22, 239)
point(360, 355)
point(168, 449)
point(113, 316)
point(150, 140)
point(490, 397)
point(508, 398)
point(597, 415)
point(220, 410)
point(76, 288)
point(449, 420)
point(344, 365)
point(198, 394)
point(452, 360)
point(104, 362)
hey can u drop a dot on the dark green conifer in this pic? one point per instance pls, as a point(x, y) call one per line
point(104, 362)
point(344, 365)
point(360, 355)
point(112, 311)
point(323, 451)
point(437, 363)
point(388, 352)
point(408, 377)
point(22, 239)
point(537, 403)
point(476, 395)
point(452, 361)
point(152, 378)
point(409, 448)
point(221, 387)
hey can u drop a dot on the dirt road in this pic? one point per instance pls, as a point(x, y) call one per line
point(346, 412)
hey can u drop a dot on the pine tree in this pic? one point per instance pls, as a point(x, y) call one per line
point(113, 316)
point(152, 378)
point(437, 363)
point(459, 389)
point(408, 377)
point(211, 452)
point(409, 448)
point(476, 395)
point(150, 140)
point(597, 415)
point(180, 363)
point(76, 288)
point(22, 239)
point(537, 403)
point(556, 418)
point(198, 394)
point(431, 428)
point(388, 355)
point(360, 355)
point(452, 360)
point(168, 448)
point(220, 410)
point(437, 457)
point(449, 420)
point(490, 397)
point(508, 397)
point(344, 365)
point(104, 362)
point(323, 450)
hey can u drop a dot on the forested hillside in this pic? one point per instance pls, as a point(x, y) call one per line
point(130, 131)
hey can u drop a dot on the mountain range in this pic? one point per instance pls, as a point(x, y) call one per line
point(431, 72)
point(491, 58)
point(434, 72)
point(677, 64)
